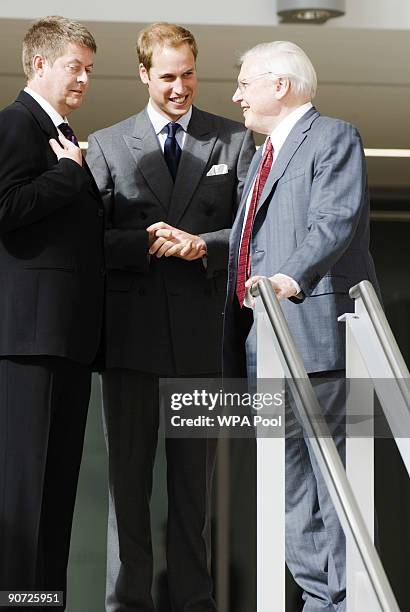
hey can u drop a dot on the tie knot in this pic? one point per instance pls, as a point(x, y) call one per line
point(172, 129)
point(68, 133)
point(268, 147)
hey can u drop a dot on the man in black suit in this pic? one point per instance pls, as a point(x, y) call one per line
point(51, 296)
point(171, 178)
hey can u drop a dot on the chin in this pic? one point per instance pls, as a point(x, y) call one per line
point(179, 112)
point(73, 103)
point(248, 122)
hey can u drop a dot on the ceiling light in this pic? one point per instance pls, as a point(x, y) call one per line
point(309, 11)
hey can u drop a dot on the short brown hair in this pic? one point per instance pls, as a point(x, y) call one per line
point(49, 37)
point(162, 34)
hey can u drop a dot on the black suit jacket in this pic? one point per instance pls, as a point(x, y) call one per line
point(165, 315)
point(51, 243)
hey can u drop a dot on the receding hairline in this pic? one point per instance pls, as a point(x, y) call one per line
point(268, 50)
point(287, 59)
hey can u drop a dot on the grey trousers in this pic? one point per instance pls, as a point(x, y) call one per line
point(315, 542)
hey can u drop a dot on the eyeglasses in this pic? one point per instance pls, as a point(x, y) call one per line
point(242, 85)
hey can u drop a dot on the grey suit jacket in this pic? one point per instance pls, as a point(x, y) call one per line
point(165, 315)
point(312, 223)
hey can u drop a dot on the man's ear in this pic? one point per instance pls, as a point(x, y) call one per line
point(282, 87)
point(144, 74)
point(38, 64)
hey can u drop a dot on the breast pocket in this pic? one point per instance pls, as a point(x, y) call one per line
point(291, 176)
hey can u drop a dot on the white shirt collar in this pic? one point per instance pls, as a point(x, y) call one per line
point(282, 131)
point(55, 117)
point(159, 121)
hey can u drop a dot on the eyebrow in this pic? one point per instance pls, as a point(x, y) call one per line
point(77, 61)
point(172, 74)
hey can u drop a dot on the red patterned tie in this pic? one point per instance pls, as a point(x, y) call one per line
point(244, 260)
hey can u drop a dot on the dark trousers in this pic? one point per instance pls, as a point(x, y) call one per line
point(131, 419)
point(43, 410)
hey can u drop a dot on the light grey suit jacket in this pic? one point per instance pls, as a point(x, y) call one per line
point(312, 223)
point(165, 315)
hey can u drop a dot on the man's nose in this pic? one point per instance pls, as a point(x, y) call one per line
point(237, 96)
point(83, 77)
point(179, 86)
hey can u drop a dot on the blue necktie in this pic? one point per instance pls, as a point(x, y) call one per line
point(172, 150)
point(68, 133)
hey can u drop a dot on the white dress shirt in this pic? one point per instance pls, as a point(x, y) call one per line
point(159, 123)
point(278, 138)
point(55, 117)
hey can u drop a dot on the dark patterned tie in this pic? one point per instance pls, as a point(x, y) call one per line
point(244, 260)
point(172, 150)
point(68, 133)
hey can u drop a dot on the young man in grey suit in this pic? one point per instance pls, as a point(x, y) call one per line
point(171, 178)
point(304, 223)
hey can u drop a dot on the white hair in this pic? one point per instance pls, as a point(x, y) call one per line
point(284, 58)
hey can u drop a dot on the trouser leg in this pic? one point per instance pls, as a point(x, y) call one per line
point(131, 424)
point(190, 466)
point(315, 543)
point(43, 408)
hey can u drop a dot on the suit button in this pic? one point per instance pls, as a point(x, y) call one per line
point(141, 291)
point(100, 212)
point(143, 215)
point(102, 271)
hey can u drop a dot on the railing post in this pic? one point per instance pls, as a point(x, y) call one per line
point(270, 481)
point(359, 467)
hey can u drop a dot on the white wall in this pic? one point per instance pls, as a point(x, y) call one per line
point(380, 14)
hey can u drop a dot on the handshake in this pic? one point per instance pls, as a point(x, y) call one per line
point(167, 241)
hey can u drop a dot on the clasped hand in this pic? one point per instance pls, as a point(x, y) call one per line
point(166, 240)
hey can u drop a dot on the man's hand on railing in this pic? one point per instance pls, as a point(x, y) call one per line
point(168, 241)
point(283, 286)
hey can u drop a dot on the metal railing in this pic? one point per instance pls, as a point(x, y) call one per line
point(385, 365)
point(324, 448)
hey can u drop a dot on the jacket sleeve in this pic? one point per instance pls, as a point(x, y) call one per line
point(337, 202)
point(125, 248)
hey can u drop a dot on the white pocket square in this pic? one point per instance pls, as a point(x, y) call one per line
point(218, 169)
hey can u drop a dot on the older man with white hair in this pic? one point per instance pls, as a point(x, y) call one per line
point(304, 223)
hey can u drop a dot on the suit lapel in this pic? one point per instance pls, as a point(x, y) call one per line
point(250, 177)
point(291, 145)
point(93, 183)
point(236, 232)
point(40, 115)
point(145, 149)
point(199, 143)
point(49, 129)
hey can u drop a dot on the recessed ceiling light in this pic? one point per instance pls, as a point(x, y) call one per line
point(309, 11)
